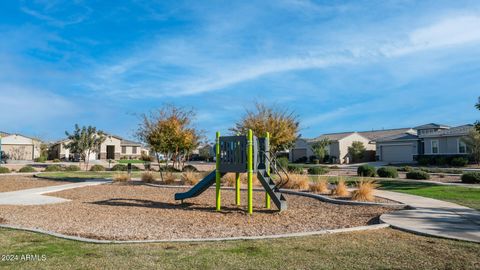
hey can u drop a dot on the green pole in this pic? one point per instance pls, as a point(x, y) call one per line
point(0, 150)
point(267, 197)
point(250, 171)
point(218, 175)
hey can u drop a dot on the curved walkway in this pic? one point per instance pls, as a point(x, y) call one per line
point(34, 196)
point(433, 217)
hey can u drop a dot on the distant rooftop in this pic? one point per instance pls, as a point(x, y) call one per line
point(454, 131)
point(431, 125)
point(371, 135)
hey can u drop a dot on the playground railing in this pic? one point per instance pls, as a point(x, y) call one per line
point(273, 161)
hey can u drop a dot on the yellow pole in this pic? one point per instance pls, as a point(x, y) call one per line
point(218, 175)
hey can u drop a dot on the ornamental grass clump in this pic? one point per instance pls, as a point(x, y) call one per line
point(148, 177)
point(190, 178)
point(229, 179)
point(320, 186)
point(121, 178)
point(364, 191)
point(297, 181)
point(169, 178)
point(341, 189)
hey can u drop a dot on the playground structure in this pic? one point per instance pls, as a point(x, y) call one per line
point(242, 154)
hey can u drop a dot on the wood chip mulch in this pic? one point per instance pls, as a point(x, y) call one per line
point(139, 212)
point(17, 182)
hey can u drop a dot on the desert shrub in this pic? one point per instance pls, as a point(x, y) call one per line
point(316, 161)
point(40, 159)
point(169, 178)
point(341, 189)
point(4, 170)
point(229, 180)
point(148, 177)
point(318, 170)
point(297, 181)
point(407, 169)
point(97, 168)
point(471, 178)
point(53, 168)
point(459, 162)
point(418, 175)
point(388, 172)
point(72, 168)
point(320, 186)
point(56, 160)
point(441, 161)
point(121, 177)
point(146, 157)
point(283, 162)
point(119, 167)
point(190, 178)
point(27, 169)
point(366, 170)
point(364, 191)
point(295, 169)
point(190, 168)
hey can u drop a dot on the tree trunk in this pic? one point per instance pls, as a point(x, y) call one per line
point(159, 165)
point(87, 159)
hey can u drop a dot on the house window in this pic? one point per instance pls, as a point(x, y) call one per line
point(462, 147)
point(124, 149)
point(134, 150)
point(435, 147)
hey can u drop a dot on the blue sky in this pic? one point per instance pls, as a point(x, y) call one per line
point(341, 66)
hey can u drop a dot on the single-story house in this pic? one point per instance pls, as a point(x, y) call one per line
point(430, 139)
point(340, 142)
point(114, 147)
point(20, 147)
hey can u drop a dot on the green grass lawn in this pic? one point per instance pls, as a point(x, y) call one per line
point(380, 249)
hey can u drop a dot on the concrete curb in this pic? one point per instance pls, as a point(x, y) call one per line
point(264, 237)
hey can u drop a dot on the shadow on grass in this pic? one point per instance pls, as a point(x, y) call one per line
point(124, 202)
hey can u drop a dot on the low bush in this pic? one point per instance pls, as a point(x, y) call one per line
point(424, 161)
point(97, 168)
point(148, 177)
point(387, 172)
point(366, 170)
point(301, 160)
point(27, 169)
point(341, 189)
point(190, 178)
point(318, 170)
point(316, 161)
point(72, 168)
point(364, 191)
point(283, 162)
point(418, 175)
point(4, 170)
point(407, 169)
point(334, 167)
point(53, 168)
point(295, 169)
point(40, 159)
point(168, 169)
point(121, 177)
point(459, 162)
point(297, 181)
point(320, 186)
point(169, 178)
point(229, 180)
point(56, 160)
point(119, 167)
point(441, 161)
point(190, 168)
point(471, 178)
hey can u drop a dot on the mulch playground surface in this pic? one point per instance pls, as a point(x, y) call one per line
point(141, 212)
point(17, 182)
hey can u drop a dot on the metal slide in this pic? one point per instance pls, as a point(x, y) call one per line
point(199, 188)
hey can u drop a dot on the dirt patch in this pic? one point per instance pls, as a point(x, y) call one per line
point(17, 182)
point(140, 212)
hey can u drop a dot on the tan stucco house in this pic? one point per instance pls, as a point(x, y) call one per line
point(20, 147)
point(340, 142)
point(114, 147)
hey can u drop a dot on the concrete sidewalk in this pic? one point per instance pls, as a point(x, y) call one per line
point(433, 217)
point(34, 196)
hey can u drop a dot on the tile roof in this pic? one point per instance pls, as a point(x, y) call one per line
point(455, 131)
point(332, 136)
point(398, 137)
point(128, 142)
point(375, 134)
point(431, 125)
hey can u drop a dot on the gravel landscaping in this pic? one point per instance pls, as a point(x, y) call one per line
point(140, 212)
point(17, 182)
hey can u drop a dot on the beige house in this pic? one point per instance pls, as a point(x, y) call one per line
point(114, 147)
point(340, 142)
point(19, 147)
